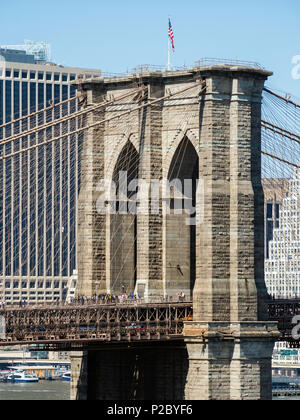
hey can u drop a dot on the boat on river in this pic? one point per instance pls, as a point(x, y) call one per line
point(66, 376)
point(22, 377)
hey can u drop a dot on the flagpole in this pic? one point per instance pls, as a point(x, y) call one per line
point(170, 45)
point(169, 54)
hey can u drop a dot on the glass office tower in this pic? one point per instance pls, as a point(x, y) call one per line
point(38, 187)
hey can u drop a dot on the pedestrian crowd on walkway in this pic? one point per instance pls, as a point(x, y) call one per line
point(122, 298)
point(101, 299)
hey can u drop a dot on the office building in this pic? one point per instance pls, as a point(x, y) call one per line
point(39, 51)
point(282, 251)
point(38, 187)
point(275, 189)
point(282, 267)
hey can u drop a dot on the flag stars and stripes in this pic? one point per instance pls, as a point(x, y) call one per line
point(171, 35)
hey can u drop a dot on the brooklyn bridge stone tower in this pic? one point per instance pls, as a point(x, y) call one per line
point(206, 127)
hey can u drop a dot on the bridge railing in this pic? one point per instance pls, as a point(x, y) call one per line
point(93, 301)
point(205, 61)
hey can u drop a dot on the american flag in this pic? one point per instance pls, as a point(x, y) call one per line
point(171, 35)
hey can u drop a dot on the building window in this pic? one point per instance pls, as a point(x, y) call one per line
point(8, 92)
point(269, 230)
point(269, 210)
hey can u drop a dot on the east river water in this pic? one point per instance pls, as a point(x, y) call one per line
point(43, 390)
point(54, 390)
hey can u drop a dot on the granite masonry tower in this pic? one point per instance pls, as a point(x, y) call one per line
point(210, 132)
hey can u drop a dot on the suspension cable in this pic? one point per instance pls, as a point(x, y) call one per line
point(93, 125)
point(280, 159)
point(69, 117)
point(281, 131)
point(281, 97)
point(49, 108)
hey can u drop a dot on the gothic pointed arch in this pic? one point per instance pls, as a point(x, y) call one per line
point(180, 227)
point(123, 248)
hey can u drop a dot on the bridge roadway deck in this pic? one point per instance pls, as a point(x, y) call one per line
point(85, 326)
point(92, 325)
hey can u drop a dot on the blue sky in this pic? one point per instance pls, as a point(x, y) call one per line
point(121, 34)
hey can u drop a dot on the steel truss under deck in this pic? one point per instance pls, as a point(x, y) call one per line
point(99, 325)
point(73, 327)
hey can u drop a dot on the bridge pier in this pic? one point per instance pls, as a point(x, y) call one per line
point(229, 361)
point(79, 375)
point(214, 138)
point(153, 372)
